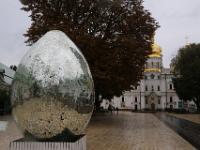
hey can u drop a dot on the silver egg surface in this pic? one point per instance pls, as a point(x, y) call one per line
point(53, 88)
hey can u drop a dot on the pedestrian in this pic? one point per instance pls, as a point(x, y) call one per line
point(117, 109)
point(110, 108)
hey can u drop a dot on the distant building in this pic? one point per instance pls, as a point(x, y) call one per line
point(156, 90)
point(6, 75)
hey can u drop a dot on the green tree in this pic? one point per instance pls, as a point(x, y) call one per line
point(114, 36)
point(5, 104)
point(187, 73)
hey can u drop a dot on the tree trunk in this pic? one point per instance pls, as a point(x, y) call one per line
point(197, 102)
point(97, 102)
point(198, 106)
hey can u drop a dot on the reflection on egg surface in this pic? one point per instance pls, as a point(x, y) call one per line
point(53, 88)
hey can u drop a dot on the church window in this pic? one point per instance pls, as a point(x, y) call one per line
point(145, 77)
point(158, 88)
point(146, 101)
point(159, 101)
point(170, 86)
point(152, 88)
point(158, 65)
point(146, 88)
point(171, 99)
point(152, 76)
point(158, 77)
point(135, 99)
point(122, 98)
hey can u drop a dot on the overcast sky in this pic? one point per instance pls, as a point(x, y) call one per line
point(177, 18)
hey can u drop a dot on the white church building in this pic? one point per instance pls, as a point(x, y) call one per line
point(156, 90)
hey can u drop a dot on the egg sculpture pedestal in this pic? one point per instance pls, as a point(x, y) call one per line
point(52, 96)
point(24, 144)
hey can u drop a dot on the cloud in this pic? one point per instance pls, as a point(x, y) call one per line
point(178, 19)
point(14, 23)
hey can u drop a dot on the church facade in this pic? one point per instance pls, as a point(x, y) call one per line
point(154, 92)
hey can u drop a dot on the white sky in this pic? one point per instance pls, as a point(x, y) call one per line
point(177, 18)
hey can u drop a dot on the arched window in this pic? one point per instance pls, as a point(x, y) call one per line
point(135, 99)
point(122, 98)
point(170, 86)
point(158, 88)
point(159, 101)
point(152, 88)
point(146, 88)
point(171, 99)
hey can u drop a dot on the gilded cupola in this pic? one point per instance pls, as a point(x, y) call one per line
point(156, 51)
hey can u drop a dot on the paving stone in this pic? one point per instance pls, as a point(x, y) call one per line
point(132, 131)
point(125, 131)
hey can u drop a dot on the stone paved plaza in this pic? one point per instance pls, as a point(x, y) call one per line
point(125, 131)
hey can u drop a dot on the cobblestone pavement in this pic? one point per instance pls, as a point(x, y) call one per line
point(129, 131)
point(126, 131)
point(12, 133)
point(191, 117)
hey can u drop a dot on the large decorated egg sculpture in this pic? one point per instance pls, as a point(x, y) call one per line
point(53, 89)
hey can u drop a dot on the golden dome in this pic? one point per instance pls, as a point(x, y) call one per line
point(156, 51)
point(152, 70)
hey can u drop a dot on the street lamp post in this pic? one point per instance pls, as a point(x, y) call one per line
point(165, 90)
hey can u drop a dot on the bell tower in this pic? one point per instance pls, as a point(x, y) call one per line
point(154, 62)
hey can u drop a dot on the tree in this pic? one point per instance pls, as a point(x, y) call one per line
point(187, 73)
point(114, 36)
point(5, 105)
